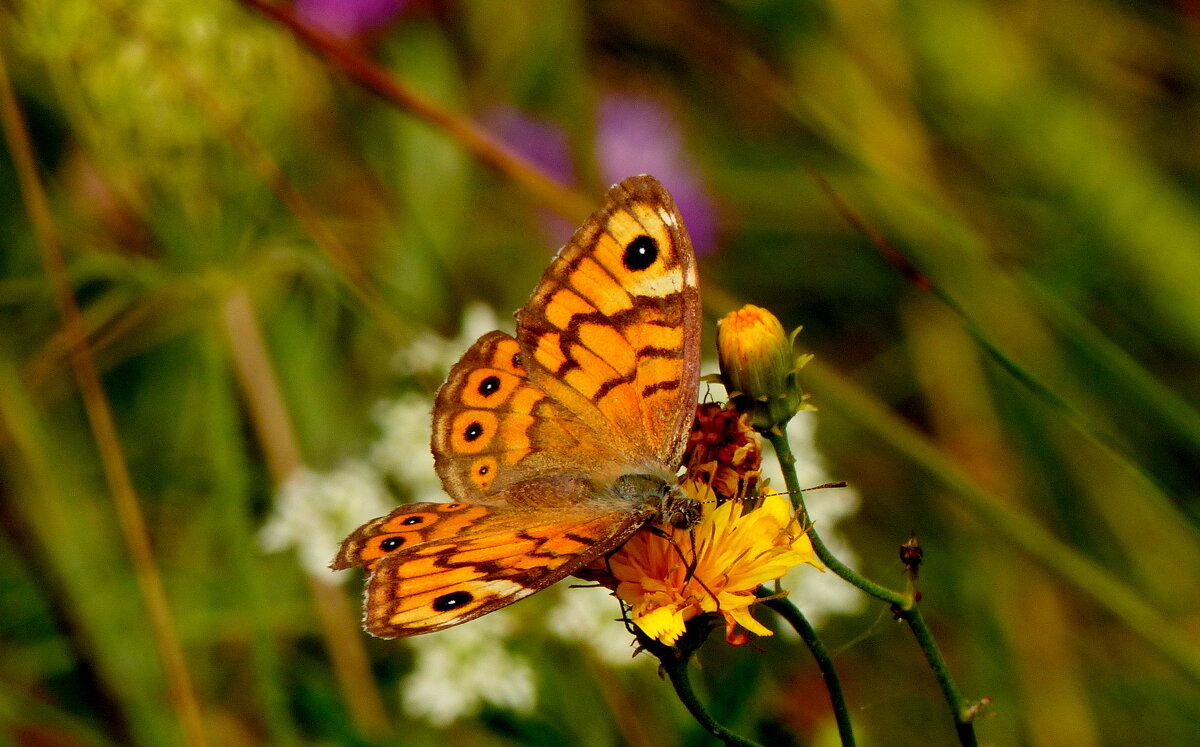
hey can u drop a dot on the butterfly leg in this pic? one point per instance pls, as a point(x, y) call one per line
point(689, 564)
point(691, 573)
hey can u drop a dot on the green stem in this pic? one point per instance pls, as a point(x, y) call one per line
point(674, 661)
point(790, 612)
point(960, 708)
point(903, 605)
point(787, 461)
point(676, 668)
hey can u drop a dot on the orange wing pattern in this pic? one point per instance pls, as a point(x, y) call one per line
point(613, 329)
point(492, 427)
point(434, 565)
point(560, 443)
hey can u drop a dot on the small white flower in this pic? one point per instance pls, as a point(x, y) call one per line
point(458, 670)
point(591, 616)
point(429, 352)
point(315, 510)
point(402, 450)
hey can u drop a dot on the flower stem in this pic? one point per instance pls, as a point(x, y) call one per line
point(903, 604)
point(790, 612)
point(961, 709)
point(787, 460)
point(676, 668)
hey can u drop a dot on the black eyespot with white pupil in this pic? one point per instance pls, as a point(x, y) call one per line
point(489, 386)
point(640, 253)
point(473, 431)
point(453, 600)
point(391, 543)
point(413, 520)
point(484, 469)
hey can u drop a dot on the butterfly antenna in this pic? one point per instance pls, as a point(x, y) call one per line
point(822, 486)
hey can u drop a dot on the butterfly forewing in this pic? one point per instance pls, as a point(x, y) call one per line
point(613, 329)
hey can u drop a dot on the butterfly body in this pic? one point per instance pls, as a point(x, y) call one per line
point(557, 444)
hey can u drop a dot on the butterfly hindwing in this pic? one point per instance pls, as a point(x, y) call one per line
point(493, 427)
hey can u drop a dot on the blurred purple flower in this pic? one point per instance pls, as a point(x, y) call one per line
point(545, 145)
point(542, 143)
point(346, 19)
point(638, 135)
point(634, 135)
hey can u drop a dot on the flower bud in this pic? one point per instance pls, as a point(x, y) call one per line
point(759, 368)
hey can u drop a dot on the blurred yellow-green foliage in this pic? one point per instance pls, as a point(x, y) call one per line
point(213, 182)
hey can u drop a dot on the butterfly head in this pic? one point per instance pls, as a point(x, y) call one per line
point(662, 497)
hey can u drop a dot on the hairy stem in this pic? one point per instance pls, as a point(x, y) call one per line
point(787, 460)
point(959, 707)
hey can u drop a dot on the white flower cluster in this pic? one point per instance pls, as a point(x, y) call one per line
point(590, 617)
point(429, 352)
point(314, 511)
point(460, 669)
point(402, 450)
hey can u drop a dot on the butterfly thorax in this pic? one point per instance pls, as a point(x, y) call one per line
point(662, 498)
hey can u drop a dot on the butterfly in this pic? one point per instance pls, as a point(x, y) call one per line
point(560, 443)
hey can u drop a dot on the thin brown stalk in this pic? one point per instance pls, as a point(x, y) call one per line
point(482, 144)
point(269, 414)
point(125, 503)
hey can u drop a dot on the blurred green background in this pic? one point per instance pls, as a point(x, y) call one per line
point(263, 252)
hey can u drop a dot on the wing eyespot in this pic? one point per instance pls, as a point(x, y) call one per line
point(453, 600)
point(640, 254)
point(391, 544)
point(489, 386)
point(413, 520)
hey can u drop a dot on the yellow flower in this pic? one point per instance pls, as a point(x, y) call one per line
point(668, 576)
point(758, 367)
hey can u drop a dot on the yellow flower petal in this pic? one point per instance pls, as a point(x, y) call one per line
point(663, 623)
point(669, 576)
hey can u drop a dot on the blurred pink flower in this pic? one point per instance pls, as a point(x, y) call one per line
point(346, 19)
point(545, 145)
